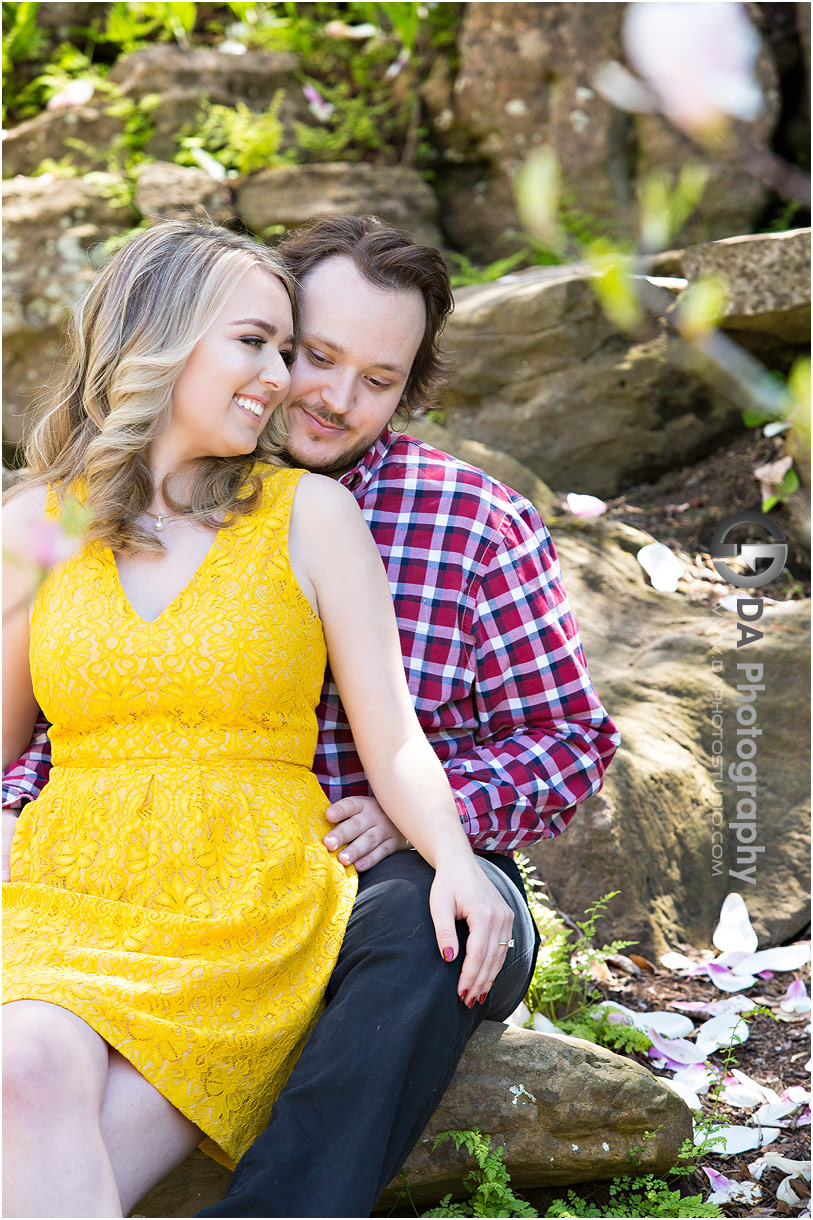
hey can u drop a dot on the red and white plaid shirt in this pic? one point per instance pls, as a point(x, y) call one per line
point(492, 652)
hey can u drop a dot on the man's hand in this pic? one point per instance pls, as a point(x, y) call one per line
point(363, 831)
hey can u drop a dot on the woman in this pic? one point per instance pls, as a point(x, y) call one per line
point(172, 916)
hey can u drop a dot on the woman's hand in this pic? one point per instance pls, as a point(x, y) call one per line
point(461, 890)
point(363, 831)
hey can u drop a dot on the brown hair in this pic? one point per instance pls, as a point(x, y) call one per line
point(129, 339)
point(388, 258)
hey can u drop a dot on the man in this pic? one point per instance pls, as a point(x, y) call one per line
point(499, 680)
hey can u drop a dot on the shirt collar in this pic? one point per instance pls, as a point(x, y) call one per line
point(360, 475)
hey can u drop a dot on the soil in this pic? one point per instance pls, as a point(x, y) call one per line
point(775, 1055)
point(683, 508)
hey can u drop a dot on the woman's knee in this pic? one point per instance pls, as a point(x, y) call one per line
point(47, 1069)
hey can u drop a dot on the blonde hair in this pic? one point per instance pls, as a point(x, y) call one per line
point(128, 342)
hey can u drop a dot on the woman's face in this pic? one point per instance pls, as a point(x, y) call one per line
point(236, 374)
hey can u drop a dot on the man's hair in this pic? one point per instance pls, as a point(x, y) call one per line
point(388, 258)
point(128, 342)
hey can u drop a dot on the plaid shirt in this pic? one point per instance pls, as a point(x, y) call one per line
point(492, 653)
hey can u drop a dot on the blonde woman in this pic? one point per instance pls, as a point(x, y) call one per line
point(172, 916)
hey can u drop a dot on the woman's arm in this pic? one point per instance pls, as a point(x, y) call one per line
point(338, 566)
point(20, 577)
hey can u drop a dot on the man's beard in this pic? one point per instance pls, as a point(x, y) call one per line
point(335, 466)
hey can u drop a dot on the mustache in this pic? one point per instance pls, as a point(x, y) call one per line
point(319, 411)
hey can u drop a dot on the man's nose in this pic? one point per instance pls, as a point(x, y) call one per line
point(337, 391)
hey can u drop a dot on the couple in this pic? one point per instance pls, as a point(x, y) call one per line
point(182, 918)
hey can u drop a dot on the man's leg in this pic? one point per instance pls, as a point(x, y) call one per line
point(380, 1057)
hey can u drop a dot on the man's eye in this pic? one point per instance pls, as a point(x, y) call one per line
point(252, 340)
point(379, 385)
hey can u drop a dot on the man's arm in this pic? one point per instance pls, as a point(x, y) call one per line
point(544, 739)
point(25, 779)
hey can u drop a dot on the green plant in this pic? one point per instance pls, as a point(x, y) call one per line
point(130, 26)
point(469, 273)
point(241, 140)
point(489, 1182)
point(594, 1025)
point(563, 977)
point(647, 1196)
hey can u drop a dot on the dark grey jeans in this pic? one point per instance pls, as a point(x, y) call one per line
point(381, 1055)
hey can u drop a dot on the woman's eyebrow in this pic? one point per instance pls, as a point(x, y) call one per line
point(261, 324)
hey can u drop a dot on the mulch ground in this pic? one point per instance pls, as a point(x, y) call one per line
point(683, 508)
point(774, 1055)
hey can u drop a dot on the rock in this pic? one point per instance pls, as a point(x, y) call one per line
point(174, 192)
point(64, 19)
point(526, 79)
point(657, 832)
point(52, 236)
point(49, 135)
point(564, 1110)
point(499, 465)
point(186, 79)
point(292, 195)
point(541, 374)
point(768, 278)
point(660, 665)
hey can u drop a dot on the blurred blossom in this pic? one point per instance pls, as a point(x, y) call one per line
point(585, 506)
point(538, 189)
point(356, 33)
point(698, 59)
point(75, 93)
point(319, 108)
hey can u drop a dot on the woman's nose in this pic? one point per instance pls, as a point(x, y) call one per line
point(277, 375)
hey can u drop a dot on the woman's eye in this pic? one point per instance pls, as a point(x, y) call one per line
point(317, 357)
point(287, 358)
point(253, 340)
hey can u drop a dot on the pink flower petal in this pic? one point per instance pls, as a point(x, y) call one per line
point(734, 931)
point(727, 980)
point(679, 1050)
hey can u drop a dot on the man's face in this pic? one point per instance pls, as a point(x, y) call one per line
point(356, 349)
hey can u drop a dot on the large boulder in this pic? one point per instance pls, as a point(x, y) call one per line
point(768, 281)
point(663, 830)
point(292, 195)
point(186, 80)
point(563, 1110)
point(526, 78)
point(82, 133)
point(53, 233)
point(543, 375)
point(178, 192)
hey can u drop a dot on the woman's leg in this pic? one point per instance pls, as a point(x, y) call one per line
point(145, 1135)
point(55, 1070)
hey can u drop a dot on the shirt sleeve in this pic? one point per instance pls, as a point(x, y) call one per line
point(25, 779)
point(544, 739)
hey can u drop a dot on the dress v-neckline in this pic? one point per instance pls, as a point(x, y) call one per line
point(205, 562)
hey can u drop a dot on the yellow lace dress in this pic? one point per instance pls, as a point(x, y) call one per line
point(170, 886)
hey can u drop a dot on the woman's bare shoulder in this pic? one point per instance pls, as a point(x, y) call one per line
point(25, 505)
point(325, 500)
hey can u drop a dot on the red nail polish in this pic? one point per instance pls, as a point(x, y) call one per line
point(470, 1003)
point(463, 997)
point(482, 997)
point(448, 954)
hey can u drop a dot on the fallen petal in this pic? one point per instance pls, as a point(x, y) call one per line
point(679, 1050)
point(784, 957)
point(739, 1139)
point(696, 1077)
point(585, 506)
point(727, 1029)
point(75, 93)
point(729, 1190)
point(762, 1090)
point(676, 961)
point(795, 998)
point(786, 1194)
point(774, 1160)
point(543, 1025)
point(734, 930)
point(662, 567)
point(773, 1112)
point(727, 980)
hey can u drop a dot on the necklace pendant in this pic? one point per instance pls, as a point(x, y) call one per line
point(159, 524)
